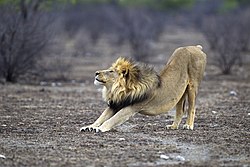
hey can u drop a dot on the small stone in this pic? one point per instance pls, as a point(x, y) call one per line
point(180, 158)
point(214, 112)
point(164, 157)
point(232, 93)
point(4, 125)
point(2, 156)
point(214, 125)
point(43, 83)
point(121, 139)
point(248, 114)
point(59, 84)
point(53, 84)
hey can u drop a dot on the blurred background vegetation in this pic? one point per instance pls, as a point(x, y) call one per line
point(48, 39)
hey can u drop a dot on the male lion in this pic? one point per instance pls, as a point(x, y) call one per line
point(130, 88)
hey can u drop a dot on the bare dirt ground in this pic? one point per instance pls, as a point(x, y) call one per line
point(39, 126)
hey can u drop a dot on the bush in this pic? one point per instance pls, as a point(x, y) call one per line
point(228, 36)
point(140, 27)
point(137, 26)
point(23, 36)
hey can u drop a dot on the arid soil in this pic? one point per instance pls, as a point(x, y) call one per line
point(39, 123)
point(39, 126)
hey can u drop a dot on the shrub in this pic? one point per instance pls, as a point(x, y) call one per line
point(228, 36)
point(23, 36)
point(137, 26)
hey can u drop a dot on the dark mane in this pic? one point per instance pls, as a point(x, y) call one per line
point(118, 105)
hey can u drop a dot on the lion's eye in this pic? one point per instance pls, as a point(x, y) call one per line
point(111, 71)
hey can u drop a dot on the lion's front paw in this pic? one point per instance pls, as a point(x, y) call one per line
point(186, 126)
point(85, 129)
point(172, 126)
point(90, 129)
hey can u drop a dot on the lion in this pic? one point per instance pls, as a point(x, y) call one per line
point(130, 88)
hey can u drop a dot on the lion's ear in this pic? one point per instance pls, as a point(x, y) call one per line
point(125, 72)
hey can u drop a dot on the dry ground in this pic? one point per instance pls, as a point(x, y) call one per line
point(39, 126)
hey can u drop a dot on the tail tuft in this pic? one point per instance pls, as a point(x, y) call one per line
point(199, 46)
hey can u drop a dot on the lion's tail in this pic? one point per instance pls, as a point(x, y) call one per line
point(184, 107)
point(199, 46)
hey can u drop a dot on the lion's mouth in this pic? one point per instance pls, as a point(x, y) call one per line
point(100, 80)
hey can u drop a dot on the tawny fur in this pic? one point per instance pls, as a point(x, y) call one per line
point(131, 88)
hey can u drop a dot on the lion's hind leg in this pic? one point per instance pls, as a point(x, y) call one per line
point(192, 91)
point(179, 113)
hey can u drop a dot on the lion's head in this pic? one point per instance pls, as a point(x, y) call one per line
point(126, 83)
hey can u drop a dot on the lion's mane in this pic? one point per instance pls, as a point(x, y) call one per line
point(134, 84)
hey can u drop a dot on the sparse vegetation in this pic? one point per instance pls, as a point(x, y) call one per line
point(228, 36)
point(136, 26)
point(23, 36)
point(25, 30)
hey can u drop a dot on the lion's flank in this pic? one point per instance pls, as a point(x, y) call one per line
point(134, 84)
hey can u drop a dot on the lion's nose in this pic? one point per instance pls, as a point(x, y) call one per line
point(97, 73)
